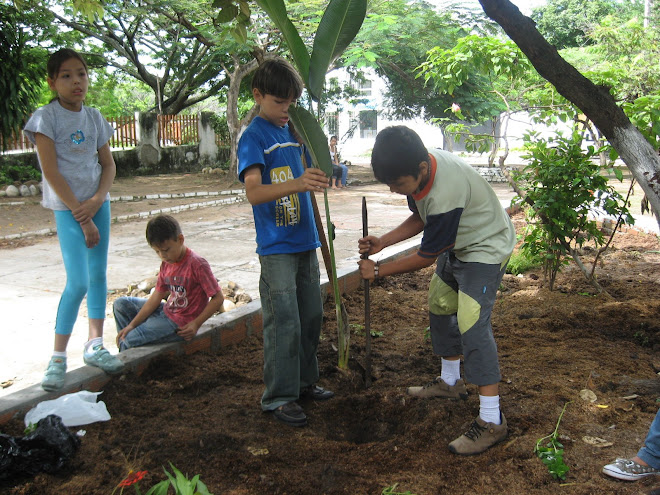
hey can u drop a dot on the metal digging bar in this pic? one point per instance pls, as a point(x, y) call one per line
point(367, 304)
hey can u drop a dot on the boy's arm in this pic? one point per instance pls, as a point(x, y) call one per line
point(410, 227)
point(313, 179)
point(145, 311)
point(407, 264)
point(189, 330)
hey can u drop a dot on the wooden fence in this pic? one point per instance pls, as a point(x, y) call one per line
point(18, 143)
point(125, 135)
point(173, 130)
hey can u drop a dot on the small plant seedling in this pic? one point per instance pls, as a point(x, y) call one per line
point(30, 428)
point(391, 490)
point(358, 329)
point(181, 484)
point(641, 338)
point(552, 453)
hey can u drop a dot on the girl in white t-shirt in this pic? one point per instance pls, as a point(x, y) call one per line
point(78, 170)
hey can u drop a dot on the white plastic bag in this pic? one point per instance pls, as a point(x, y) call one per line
point(75, 409)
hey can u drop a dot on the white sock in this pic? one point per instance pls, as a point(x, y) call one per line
point(489, 409)
point(91, 344)
point(450, 371)
point(59, 354)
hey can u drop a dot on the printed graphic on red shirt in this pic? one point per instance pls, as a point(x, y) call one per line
point(190, 283)
point(178, 295)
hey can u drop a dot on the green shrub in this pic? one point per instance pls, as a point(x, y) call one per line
point(522, 261)
point(220, 126)
point(17, 172)
point(564, 184)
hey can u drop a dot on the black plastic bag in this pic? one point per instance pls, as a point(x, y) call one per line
point(46, 449)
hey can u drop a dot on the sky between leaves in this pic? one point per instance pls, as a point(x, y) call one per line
point(525, 6)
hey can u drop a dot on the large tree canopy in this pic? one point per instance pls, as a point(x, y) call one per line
point(180, 51)
point(193, 62)
point(567, 23)
point(22, 72)
point(596, 102)
point(394, 40)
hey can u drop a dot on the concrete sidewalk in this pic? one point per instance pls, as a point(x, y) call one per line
point(32, 278)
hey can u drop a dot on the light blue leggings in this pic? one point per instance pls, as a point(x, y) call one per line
point(85, 268)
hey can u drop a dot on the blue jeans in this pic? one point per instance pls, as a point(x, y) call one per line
point(344, 173)
point(85, 268)
point(292, 311)
point(650, 453)
point(156, 329)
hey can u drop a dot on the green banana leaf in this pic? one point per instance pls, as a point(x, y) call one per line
point(338, 27)
point(313, 136)
point(277, 13)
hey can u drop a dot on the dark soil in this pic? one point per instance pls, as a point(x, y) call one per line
point(201, 413)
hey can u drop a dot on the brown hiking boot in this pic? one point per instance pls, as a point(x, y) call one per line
point(479, 437)
point(438, 388)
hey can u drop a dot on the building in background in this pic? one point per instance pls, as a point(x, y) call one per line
point(357, 121)
point(356, 124)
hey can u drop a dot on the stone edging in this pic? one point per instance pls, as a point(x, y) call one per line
point(219, 331)
point(238, 197)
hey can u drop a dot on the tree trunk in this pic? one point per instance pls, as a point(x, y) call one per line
point(595, 101)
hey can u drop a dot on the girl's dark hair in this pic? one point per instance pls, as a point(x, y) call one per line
point(162, 228)
point(278, 78)
point(56, 60)
point(397, 152)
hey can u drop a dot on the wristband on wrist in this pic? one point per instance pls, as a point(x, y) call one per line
point(376, 269)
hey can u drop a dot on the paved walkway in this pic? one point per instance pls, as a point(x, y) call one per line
point(31, 278)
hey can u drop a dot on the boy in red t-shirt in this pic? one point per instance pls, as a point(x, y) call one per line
point(185, 280)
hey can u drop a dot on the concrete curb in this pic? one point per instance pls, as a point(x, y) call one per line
point(219, 331)
point(236, 196)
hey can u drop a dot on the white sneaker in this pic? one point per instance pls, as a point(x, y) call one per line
point(101, 358)
point(54, 375)
point(629, 470)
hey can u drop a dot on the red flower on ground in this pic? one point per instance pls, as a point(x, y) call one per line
point(132, 478)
